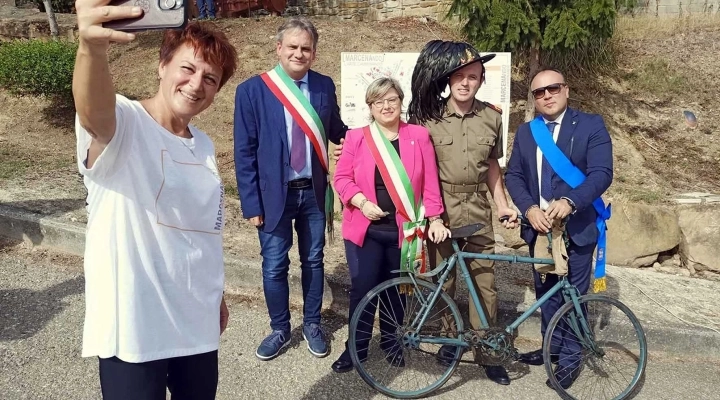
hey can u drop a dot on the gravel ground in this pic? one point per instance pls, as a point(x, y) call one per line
point(41, 314)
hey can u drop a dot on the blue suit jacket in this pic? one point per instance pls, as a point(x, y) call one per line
point(261, 150)
point(586, 142)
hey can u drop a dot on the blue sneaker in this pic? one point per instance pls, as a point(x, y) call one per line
point(271, 345)
point(315, 338)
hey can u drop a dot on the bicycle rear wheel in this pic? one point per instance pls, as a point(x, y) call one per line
point(604, 346)
point(396, 361)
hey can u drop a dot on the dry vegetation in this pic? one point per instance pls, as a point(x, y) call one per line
point(665, 67)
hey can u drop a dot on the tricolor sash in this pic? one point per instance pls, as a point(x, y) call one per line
point(392, 170)
point(285, 90)
point(283, 87)
point(574, 177)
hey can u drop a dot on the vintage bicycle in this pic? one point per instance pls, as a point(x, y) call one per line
point(403, 362)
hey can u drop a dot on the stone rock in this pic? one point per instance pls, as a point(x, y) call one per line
point(701, 230)
point(637, 233)
point(643, 261)
point(671, 262)
point(662, 258)
point(656, 266)
point(670, 270)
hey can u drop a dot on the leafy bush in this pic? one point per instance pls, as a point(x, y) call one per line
point(37, 67)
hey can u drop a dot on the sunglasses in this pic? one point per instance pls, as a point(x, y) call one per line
point(552, 89)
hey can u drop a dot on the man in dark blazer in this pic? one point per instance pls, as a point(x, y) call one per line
point(541, 195)
point(283, 121)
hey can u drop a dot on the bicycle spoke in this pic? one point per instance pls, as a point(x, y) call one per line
point(611, 355)
point(397, 361)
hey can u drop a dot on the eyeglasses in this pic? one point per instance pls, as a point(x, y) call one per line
point(392, 102)
point(552, 89)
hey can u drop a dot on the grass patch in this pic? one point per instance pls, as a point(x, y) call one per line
point(644, 196)
point(231, 191)
point(656, 76)
point(651, 27)
point(14, 164)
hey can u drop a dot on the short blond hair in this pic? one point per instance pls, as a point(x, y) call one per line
point(379, 87)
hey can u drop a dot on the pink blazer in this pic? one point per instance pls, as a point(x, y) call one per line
point(355, 173)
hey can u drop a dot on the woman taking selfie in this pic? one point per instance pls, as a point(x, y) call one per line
point(153, 255)
point(388, 180)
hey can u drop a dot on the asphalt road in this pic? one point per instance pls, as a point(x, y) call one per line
point(41, 314)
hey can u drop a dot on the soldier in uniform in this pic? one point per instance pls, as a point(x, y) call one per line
point(468, 137)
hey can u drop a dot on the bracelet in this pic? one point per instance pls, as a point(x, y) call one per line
point(362, 204)
point(435, 219)
point(530, 208)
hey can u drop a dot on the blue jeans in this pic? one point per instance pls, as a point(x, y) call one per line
point(302, 207)
point(206, 8)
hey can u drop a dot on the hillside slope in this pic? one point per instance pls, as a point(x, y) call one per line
point(665, 68)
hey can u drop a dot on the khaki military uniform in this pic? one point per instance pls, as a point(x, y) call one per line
point(463, 145)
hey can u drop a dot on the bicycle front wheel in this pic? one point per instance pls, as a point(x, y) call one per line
point(399, 361)
point(602, 345)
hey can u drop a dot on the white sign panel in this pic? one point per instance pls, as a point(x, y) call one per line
point(358, 70)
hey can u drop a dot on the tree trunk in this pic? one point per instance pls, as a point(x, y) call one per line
point(54, 31)
point(534, 66)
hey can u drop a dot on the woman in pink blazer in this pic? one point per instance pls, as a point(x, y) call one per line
point(375, 161)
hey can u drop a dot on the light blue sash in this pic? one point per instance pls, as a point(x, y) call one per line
point(574, 177)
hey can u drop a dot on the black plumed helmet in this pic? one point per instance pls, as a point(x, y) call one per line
point(437, 61)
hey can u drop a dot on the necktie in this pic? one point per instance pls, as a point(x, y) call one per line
point(546, 171)
point(297, 150)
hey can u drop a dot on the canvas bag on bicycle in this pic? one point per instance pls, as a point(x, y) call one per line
point(573, 177)
point(558, 252)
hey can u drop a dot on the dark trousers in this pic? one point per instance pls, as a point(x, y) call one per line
point(206, 8)
point(302, 207)
point(188, 378)
point(564, 342)
point(369, 266)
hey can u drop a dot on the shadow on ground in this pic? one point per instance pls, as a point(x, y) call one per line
point(25, 312)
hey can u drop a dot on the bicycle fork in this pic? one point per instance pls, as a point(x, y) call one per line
point(578, 321)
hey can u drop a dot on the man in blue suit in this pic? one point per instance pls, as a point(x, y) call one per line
point(283, 120)
point(542, 196)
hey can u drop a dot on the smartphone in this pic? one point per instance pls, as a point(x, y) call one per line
point(157, 14)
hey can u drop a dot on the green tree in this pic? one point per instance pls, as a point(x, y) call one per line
point(534, 27)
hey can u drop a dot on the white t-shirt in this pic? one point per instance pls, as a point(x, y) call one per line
point(153, 253)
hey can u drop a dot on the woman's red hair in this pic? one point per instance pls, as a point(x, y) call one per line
point(212, 45)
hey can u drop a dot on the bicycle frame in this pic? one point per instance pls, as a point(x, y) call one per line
point(458, 257)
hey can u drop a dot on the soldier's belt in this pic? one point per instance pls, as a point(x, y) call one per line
point(476, 188)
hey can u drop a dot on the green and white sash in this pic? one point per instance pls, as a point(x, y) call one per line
point(392, 170)
point(283, 87)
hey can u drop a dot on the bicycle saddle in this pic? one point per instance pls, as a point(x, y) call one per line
point(465, 231)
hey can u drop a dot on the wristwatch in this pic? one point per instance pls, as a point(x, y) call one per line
point(572, 204)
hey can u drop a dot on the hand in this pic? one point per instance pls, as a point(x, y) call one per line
point(558, 209)
point(371, 211)
point(511, 222)
point(437, 232)
point(224, 316)
point(538, 220)
point(92, 13)
point(256, 221)
point(338, 150)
